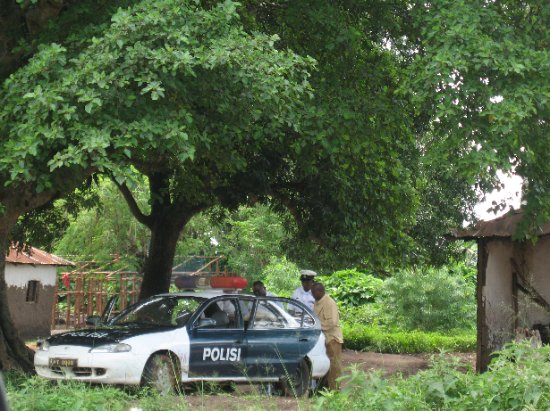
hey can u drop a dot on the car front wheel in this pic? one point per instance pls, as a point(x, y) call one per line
point(160, 374)
point(297, 384)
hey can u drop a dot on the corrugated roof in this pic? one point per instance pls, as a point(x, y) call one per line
point(35, 256)
point(504, 226)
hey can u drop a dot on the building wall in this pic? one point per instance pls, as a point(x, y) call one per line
point(32, 319)
point(502, 305)
point(497, 296)
point(537, 273)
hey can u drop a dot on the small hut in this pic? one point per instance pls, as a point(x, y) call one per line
point(31, 277)
point(513, 284)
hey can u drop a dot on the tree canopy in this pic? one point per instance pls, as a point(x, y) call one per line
point(481, 75)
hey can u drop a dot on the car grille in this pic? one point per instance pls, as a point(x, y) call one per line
point(79, 371)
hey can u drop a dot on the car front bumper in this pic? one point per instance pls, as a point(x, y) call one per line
point(110, 368)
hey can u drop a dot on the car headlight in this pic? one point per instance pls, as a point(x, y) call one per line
point(44, 346)
point(120, 347)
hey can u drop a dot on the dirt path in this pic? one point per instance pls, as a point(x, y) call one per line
point(244, 398)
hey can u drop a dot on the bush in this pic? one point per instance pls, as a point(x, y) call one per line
point(518, 380)
point(352, 288)
point(373, 338)
point(363, 314)
point(281, 277)
point(429, 300)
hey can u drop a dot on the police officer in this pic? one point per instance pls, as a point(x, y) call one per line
point(303, 293)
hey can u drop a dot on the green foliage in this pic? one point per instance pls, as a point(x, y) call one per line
point(352, 288)
point(251, 238)
point(281, 277)
point(39, 394)
point(481, 76)
point(428, 299)
point(107, 231)
point(132, 90)
point(34, 393)
point(374, 338)
point(366, 314)
point(518, 380)
point(359, 196)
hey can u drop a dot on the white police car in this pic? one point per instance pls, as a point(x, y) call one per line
point(172, 339)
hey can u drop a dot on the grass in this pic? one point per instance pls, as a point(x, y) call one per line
point(38, 394)
point(519, 379)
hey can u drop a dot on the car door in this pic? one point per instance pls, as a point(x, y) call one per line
point(304, 322)
point(217, 341)
point(273, 341)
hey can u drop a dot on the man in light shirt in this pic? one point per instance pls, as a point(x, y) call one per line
point(303, 293)
point(327, 311)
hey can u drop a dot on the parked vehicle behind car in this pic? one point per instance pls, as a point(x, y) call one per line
point(172, 339)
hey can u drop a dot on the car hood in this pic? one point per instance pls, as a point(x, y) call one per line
point(100, 336)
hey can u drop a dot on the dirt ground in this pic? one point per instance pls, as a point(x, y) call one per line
point(389, 364)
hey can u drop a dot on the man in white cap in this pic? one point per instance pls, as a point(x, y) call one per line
point(303, 293)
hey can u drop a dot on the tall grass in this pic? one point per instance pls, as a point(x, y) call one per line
point(38, 394)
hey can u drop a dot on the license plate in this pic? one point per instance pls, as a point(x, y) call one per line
point(62, 362)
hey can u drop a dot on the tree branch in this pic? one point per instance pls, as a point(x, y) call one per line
point(134, 207)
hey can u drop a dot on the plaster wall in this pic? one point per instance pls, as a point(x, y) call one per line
point(18, 275)
point(537, 273)
point(497, 294)
point(32, 319)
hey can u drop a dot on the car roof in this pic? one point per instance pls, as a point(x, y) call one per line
point(203, 294)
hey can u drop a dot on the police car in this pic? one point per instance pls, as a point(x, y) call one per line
point(172, 339)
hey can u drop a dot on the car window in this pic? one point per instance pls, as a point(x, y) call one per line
point(223, 312)
point(182, 311)
point(299, 317)
point(267, 317)
point(161, 311)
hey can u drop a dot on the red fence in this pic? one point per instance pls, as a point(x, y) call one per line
point(85, 292)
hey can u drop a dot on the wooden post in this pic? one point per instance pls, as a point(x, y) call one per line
point(482, 360)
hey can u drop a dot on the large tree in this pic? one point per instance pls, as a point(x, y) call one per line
point(342, 166)
point(100, 86)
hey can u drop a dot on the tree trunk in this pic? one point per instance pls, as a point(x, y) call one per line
point(166, 221)
point(13, 352)
point(15, 201)
point(157, 270)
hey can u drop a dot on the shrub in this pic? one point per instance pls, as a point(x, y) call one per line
point(363, 314)
point(281, 277)
point(373, 338)
point(518, 380)
point(352, 288)
point(429, 300)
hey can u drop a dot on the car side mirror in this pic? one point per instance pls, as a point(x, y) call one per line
point(206, 323)
point(93, 320)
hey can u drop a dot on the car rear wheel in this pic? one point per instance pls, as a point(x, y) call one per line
point(160, 374)
point(297, 384)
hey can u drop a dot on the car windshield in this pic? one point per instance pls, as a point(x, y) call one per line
point(165, 311)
